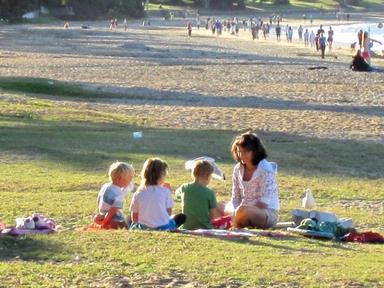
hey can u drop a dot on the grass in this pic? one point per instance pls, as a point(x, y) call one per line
point(50, 87)
point(54, 158)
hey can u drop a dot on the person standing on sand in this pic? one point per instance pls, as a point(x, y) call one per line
point(312, 39)
point(330, 38)
point(300, 31)
point(322, 44)
point(306, 38)
point(189, 29)
point(360, 38)
point(290, 34)
point(125, 25)
point(278, 32)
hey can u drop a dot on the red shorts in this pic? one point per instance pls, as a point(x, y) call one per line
point(224, 222)
point(365, 55)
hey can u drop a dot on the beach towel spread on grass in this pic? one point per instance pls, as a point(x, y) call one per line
point(232, 234)
point(34, 224)
point(93, 227)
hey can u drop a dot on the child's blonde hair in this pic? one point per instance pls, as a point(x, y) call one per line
point(202, 169)
point(118, 169)
point(153, 170)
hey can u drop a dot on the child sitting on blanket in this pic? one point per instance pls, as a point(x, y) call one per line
point(198, 201)
point(111, 197)
point(152, 203)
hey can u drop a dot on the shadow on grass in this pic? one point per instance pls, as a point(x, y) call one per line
point(91, 145)
point(29, 248)
point(48, 89)
point(276, 241)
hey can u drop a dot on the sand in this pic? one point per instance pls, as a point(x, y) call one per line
point(204, 81)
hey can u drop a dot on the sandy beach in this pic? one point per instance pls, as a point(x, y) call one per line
point(204, 81)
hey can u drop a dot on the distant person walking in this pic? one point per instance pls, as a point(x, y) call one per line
point(306, 38)
point(312, 39)
point(300, 31)
point(330, 38)
point(290, 34)
point(322, 44)
point(189, 29)
point(278, 32)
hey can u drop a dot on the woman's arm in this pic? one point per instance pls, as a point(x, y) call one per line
point(236, 195)
point(374, 40)
point(268, 187)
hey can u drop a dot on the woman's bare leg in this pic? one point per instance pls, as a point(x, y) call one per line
point(249, 217)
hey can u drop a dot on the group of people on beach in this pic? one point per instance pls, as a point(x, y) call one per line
point(254, 201)
point(257, 25)
point(114, 23)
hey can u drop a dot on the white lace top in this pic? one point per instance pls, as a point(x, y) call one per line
point(262, 187)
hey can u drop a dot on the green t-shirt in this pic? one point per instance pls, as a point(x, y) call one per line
point(197, 202)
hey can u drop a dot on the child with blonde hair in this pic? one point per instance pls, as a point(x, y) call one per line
point(199, 203)
point(110, 200)
point(152, 203)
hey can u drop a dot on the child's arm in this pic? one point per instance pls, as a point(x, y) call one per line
point(374, 40)
point(215, 213)
point(179, 192)
point(135, 217)
point(109, 216)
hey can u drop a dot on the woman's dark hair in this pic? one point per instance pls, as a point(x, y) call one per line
point(251, 142)
point(153, 170)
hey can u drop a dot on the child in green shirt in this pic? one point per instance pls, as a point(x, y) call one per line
point(199, 202)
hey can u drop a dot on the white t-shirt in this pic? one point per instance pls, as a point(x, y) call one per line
point(110, 196)
point(151, 203)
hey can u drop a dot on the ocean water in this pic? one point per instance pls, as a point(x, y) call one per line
point(347, 34)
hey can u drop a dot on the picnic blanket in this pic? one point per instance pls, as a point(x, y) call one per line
point(231, 234)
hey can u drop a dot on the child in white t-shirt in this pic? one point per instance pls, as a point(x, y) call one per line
point(152, 203)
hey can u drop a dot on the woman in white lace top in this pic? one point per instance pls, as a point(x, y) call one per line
point(255, 199)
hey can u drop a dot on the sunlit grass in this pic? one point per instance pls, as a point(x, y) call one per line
point(54, 158)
